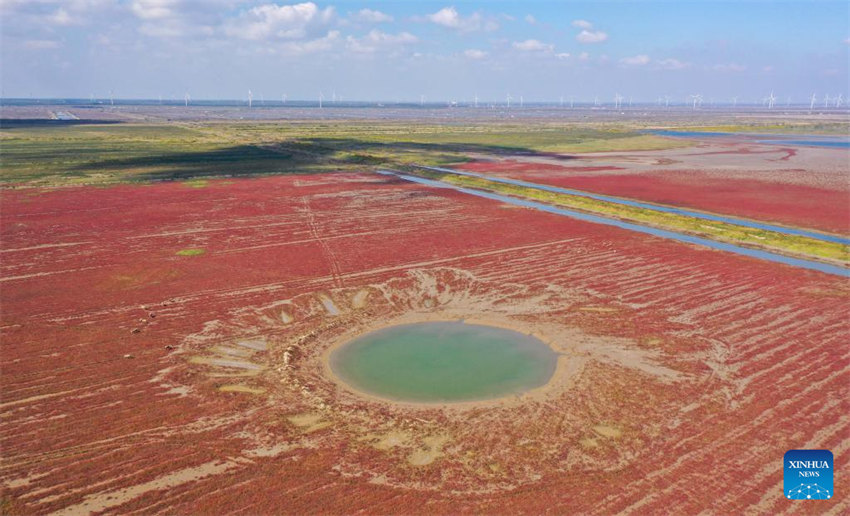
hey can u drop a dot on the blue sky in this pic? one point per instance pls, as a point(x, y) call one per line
point(394, 50)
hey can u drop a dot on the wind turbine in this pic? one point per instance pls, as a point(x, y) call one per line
point(421, 100)
point(571, 101)
point(812, 103)
point(283, 99)
point(666, 101)
point(250, 99)
point(321, 98)
point(697, 100)
point(521, 101)
point(839, 100)
point(826, 100)
point(111, 98)
point(630, 101)
point(186, 99)
point(617, 100)
point(734, 102)
point(475, 99)
point(509, 98)
point(91, 97)
point(596, 101)
point(770, 100)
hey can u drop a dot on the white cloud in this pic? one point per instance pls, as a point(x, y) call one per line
point(473, 53)
point(447, 17)
point(371, 16)
point(582, 24)
point(638, 60)
point(34, 15)
point(533, 45)
point(400, 38)
point(292, 22)
point(321, 44)
point(170, 29)
point(41, 44)
point(584, 56)
point(450, 18)
point(182, 18)
point(42, 25)
point(587, 36)
point(83, 5)
point(671, 64)
point(61, 17)
point(377, 40)
point(563, 55)
point(154, 9)
point(530, 19)
point(40, 7)
point(730, 67)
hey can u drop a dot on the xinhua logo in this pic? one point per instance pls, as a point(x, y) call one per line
point(808, 474)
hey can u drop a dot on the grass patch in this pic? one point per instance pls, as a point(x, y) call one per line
point(191, 252)
point(92, 154)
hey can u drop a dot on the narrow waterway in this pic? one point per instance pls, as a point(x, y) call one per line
point(671, 235)
point(654, 207)
point(808, 140)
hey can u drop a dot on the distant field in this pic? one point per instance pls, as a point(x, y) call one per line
point(825, 128)
point(118, 153)
point(104, 154)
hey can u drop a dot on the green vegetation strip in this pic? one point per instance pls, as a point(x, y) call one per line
point(797, 128)
point(721, 231)
point(191, 252)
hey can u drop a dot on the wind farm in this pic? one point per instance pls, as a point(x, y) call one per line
point(824, 103)
point(573, 275)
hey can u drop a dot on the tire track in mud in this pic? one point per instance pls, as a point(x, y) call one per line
point(205, 295)
point(336, 273)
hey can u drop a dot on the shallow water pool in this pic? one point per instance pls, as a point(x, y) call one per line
point(452, 361)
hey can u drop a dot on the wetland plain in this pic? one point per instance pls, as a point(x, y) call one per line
point(174, 286)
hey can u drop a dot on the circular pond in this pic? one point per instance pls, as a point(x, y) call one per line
point(443, 362)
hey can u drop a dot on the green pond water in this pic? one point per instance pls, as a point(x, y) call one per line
point(444, 362)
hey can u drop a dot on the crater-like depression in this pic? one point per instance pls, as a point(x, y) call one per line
point(443, 362)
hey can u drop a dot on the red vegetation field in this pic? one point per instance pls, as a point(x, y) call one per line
point(114, 396)
point(688, 181)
